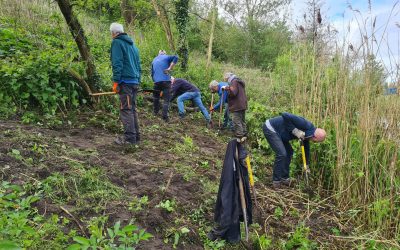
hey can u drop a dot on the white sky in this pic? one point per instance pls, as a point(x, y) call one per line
point(349, 22)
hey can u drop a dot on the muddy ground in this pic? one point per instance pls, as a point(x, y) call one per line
point(179, 160)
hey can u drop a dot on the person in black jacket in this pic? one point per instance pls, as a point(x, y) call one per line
point(279, 131)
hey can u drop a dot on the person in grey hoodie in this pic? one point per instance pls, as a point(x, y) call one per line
point(126, 77)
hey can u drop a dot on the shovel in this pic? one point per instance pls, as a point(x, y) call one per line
point(306, 170)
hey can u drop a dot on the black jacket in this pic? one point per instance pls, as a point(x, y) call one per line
point(228, 210)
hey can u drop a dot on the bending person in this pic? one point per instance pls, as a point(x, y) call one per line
point(185, 90)
point(279, 131)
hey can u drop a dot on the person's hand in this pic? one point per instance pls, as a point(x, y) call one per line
point(115, 87)
point(211, 109)
point(298, 133)
point(224, 88)
point(167, 71)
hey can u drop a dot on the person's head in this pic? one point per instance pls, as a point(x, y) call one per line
point(213, 86)
point(227, 76)
point(319, 135)
point(162, 52)
point(172, 80)
point(116, 29)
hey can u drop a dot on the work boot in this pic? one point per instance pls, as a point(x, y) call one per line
point(276, 185)
point(122, 141)
point(137, 139)
point(287, 182)
point(166, 119)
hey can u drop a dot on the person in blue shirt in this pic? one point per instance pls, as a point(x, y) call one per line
point(160, 73)
point(217, 87)
point(126, 71)
point(279, 131)
point(185, 90)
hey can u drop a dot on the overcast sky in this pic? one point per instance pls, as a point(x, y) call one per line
point(387, 28)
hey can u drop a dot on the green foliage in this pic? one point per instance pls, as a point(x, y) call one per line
point(22, 226)
point(127, 237)
point(299, 239)
point(88, 188)
point(262, 242)
point(278, 213)
point(175, 235)
point(168, 205)
point(138, 204)
point(186, 146)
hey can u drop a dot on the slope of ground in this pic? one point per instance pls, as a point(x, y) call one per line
point(167, 184)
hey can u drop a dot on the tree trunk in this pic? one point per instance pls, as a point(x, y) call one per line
point(181, 20)
point(163, 17)
point(127, 12)
point(210, 42)
point(81, 41)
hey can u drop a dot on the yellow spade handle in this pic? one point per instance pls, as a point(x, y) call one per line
point(303, 155)
point(251, 179)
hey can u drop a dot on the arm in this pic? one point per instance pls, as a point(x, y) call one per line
point(173, 60)
point(232, 89)
point(216, 106)
point(116, 61)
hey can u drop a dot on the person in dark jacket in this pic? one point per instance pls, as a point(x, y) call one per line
point(216, 87)
point(160, 69)
point(185, 90)
point(126, 77)
point(237, 102)
point(228, 209)
point(279, 131)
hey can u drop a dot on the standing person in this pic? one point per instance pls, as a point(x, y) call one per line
point(160, 69)
point(216, 87)
point(279, 131)
point(185, 90)
point(126, 77)
point(237, 102)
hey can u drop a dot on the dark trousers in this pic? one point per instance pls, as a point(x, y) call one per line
point(165, 88)
point(128, 115)
point(239, 123)
point(283, 154)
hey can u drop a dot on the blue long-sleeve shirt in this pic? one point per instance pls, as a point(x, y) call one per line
point(159, 64)
point(225, 97)
point(286, 122)
point(181, 86)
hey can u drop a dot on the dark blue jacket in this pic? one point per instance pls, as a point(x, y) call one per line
point(286, 122)
point(125, 60)
point(220, 85)
point(181, 86)
point(159, 64)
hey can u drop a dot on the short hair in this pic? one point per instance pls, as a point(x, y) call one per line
point(162, 52)
point(213, 84)
point(227, 75)
point(116, 28)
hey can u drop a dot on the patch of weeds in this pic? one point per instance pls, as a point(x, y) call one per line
point(22, 226)
point(16, 154)
point(335, 231)
point(186, 146)
point(138, 204)
point(174, 235)
point(278, 213)
point(209, 244)
point(87, 188)
point(116, 237)
point(153, 128)
point(299, 239)
point(209, 186)
point(205, 165)
point(187, 172)
point(262, 242)
point(168, 205)
point(294, 212)
point(107, 122)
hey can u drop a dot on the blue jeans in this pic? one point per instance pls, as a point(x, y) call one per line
point(196, 98)
point(283, 154)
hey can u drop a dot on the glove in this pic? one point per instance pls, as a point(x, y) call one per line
point(298, 133)
point(115, 87)
point(211, 109)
